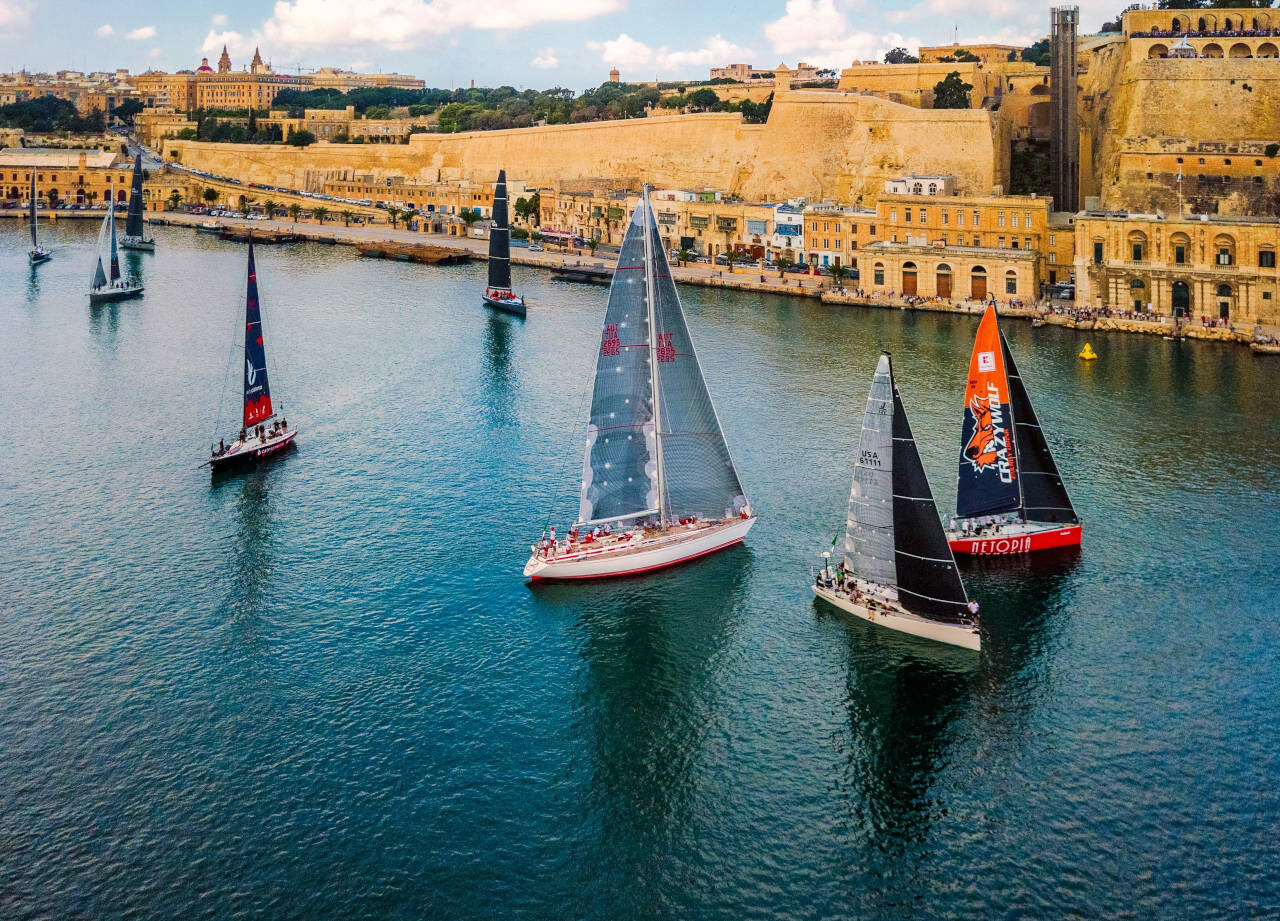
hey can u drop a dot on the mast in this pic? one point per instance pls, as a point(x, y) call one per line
point(34, 244)
point(650, 297)
point(257, 392)
point(111, 223)
point(500, 239)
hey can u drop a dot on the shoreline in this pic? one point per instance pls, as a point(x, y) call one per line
point(793, 285)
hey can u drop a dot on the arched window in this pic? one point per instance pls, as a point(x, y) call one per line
point(1010, 282)
point(916, 189)
point(1137, 245)
point(933, 188)
point(1224, 249)
point(878, 274)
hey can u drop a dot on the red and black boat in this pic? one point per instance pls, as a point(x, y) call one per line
point(263, 434)
point(1010, 497)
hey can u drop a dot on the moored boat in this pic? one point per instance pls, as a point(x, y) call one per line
point(262, 434)
point(897, 570)
point(107, 288)
point(1265, 348)
point(1010, 497)
point(497, 292)
point(209, 227)
point(38, 253)
point(134, 236)
point(658, 485)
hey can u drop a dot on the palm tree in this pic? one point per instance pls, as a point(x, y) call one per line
point(838, 273)
point(783, 261)
point(393, 215)
point(320, 212)
point(592, 244)
point(347, 215)
point(210, 195)
point(175, 199)
point(270, 207)
point(294, 210)
point(52, 195)
point(684, 255)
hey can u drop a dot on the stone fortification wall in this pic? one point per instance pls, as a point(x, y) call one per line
point(816, 145)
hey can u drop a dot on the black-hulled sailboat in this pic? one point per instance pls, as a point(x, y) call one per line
point(134, 237)
point(1009, 497)
point(114, 288)
point(38, 253)
point(898, 571)
point(498, 292)
point(262, 433)
point(658, 484)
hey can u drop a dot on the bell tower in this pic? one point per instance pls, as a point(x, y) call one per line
point(224, 62)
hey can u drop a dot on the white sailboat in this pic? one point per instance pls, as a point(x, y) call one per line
point(897, 571)
point(114, 288)
point(658, 484)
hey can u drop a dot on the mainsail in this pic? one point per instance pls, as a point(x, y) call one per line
point(1044, 497)
point(988, 482)
point(894, 538)
point(115, 253)
point(619, 472)
point(257, 395)
point(698, 473)
point(500, 239)
point(35, 245)
point(133, 223)
point(99, 276)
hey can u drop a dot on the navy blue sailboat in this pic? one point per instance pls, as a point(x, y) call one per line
point(134, 237)
point(263, 433)
point(38, 253)
point(498, 292)
point(114, 288)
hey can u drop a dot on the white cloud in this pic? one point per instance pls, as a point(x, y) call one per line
point(626, 53)
point(218, 19)
point(13, 13)
point(545, 60)
point(153, 53)
point(399, 24)
point(818, 32)
point(141, 33)
point(105, 30)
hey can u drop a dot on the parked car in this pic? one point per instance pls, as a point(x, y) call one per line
point(535, 248)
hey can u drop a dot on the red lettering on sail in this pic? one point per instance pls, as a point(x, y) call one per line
point(611, 345)
point(666, 350)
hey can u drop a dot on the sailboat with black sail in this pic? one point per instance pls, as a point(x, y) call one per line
point(1010, 497)
point(134, 237)
point(897, 571)
point(262, 433)
point(38, 253)
point(497, 292)
point(658, 484)
point(113, 287)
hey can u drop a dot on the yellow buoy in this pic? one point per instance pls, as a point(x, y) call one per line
point(1087, 353)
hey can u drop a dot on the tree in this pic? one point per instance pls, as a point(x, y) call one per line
point(347, 215)
point(951, 92)
point(592, 244)
point(320, 212)
point(900, 56)
point(393, 215)
point(294, 210)
point(210, 195)
point(301, 138)
point(704, 100)
point(838, 274)
point(52, 195)
point(469, 216)
point(270, 206)
point(175, 199)
point(127, 109)
point(684, 255)
point(1039, 53)
point(782, 260)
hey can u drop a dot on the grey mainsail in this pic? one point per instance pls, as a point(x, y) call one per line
point(619, 471)
point(868, 542)
point(698, 473)
point(115, 253)
point(99, 277)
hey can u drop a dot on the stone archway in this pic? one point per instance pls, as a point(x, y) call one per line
point(1158, 51)
point(14, 192)
point(909, 285)
point(1181, 299)
point(1138, 293)
point(1212, 50)
point(1268, 50)
point(1240, 50)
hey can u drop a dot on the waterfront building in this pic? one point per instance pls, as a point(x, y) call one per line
point(82, 177)
point(1220, 268)
point(443, 197)
point(831, 233)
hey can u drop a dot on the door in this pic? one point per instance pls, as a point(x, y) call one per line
point(944, 285)
point(1181, 299)
point(909, 282)
point(978, 287)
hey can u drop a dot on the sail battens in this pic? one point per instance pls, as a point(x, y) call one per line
point(1043, 492)
point(500, 238)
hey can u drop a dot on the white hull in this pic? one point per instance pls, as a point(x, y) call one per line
point(897, 618)
point(637, 555)
point(138, 243)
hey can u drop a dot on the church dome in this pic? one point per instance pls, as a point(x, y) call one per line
point(204, 67)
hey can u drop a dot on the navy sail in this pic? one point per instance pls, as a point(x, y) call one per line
point(1044, 496)
point(34, 243)
point(500, 239)
point(115, 252)
point(257, 394)
point(619, 471)
point(988, 480)
point(133, 223)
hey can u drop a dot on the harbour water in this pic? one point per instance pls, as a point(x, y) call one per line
point(322, 690)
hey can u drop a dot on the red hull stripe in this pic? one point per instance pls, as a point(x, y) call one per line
point(634, 572)
point(1048, 539)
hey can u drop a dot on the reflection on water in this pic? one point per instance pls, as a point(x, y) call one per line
point(33, 284)
point(501, 380)
point(104, 323)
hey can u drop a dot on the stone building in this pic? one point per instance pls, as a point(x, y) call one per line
point(986, 52)
point(83, 177)
point(1196, 266)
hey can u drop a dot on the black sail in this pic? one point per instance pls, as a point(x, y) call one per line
point(133, 223)
point(500, 238)
point(928, 581)
point(34, 243)
point(1044, 497)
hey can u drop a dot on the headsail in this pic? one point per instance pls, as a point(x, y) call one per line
point(257, 394)
point(133, 223)
point(698, 473)
point(500, 238)
point(988, 479)
point(35, 245)
point(868, 542)
point(1044, 496)
point(99, 276)
point(115, 253)
point(620, 467)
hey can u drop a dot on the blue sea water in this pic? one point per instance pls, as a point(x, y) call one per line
point(322, 689)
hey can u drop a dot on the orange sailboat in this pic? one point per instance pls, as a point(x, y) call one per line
point(1009, 497)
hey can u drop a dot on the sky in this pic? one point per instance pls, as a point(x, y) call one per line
point(525, 43)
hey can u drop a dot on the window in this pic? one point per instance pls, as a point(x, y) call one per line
point(906, 215)
point(879, 274)
point(826, 244)
point(1001, 243)
point(960, 218)
point(1011, 284)
point(814, 226)
point(1202, 161)
point(1224, 255)
point(975, 219)
point(1097, 251)
point(1000, 219)
point(1026, 243)
point(946, 217)
point(1137, 252)
point(893, 216)
point(1267, 259)
point(1053, 239)
point(1015, 219)
point(1180, 254)
point(873, 230)
point(1053, 259)
point(977, 241)
point(924, 218)
point(1266, 295)
point(824, 227)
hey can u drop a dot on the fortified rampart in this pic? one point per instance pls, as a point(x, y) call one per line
point(815, 144)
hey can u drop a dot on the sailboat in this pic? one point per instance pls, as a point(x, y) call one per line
point(114, 288)
point(1010, 497)
point(498, 292)
point(658, 484)
point(38, 253)
point(897, 571)
point(262, 434)
point(133, 231)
